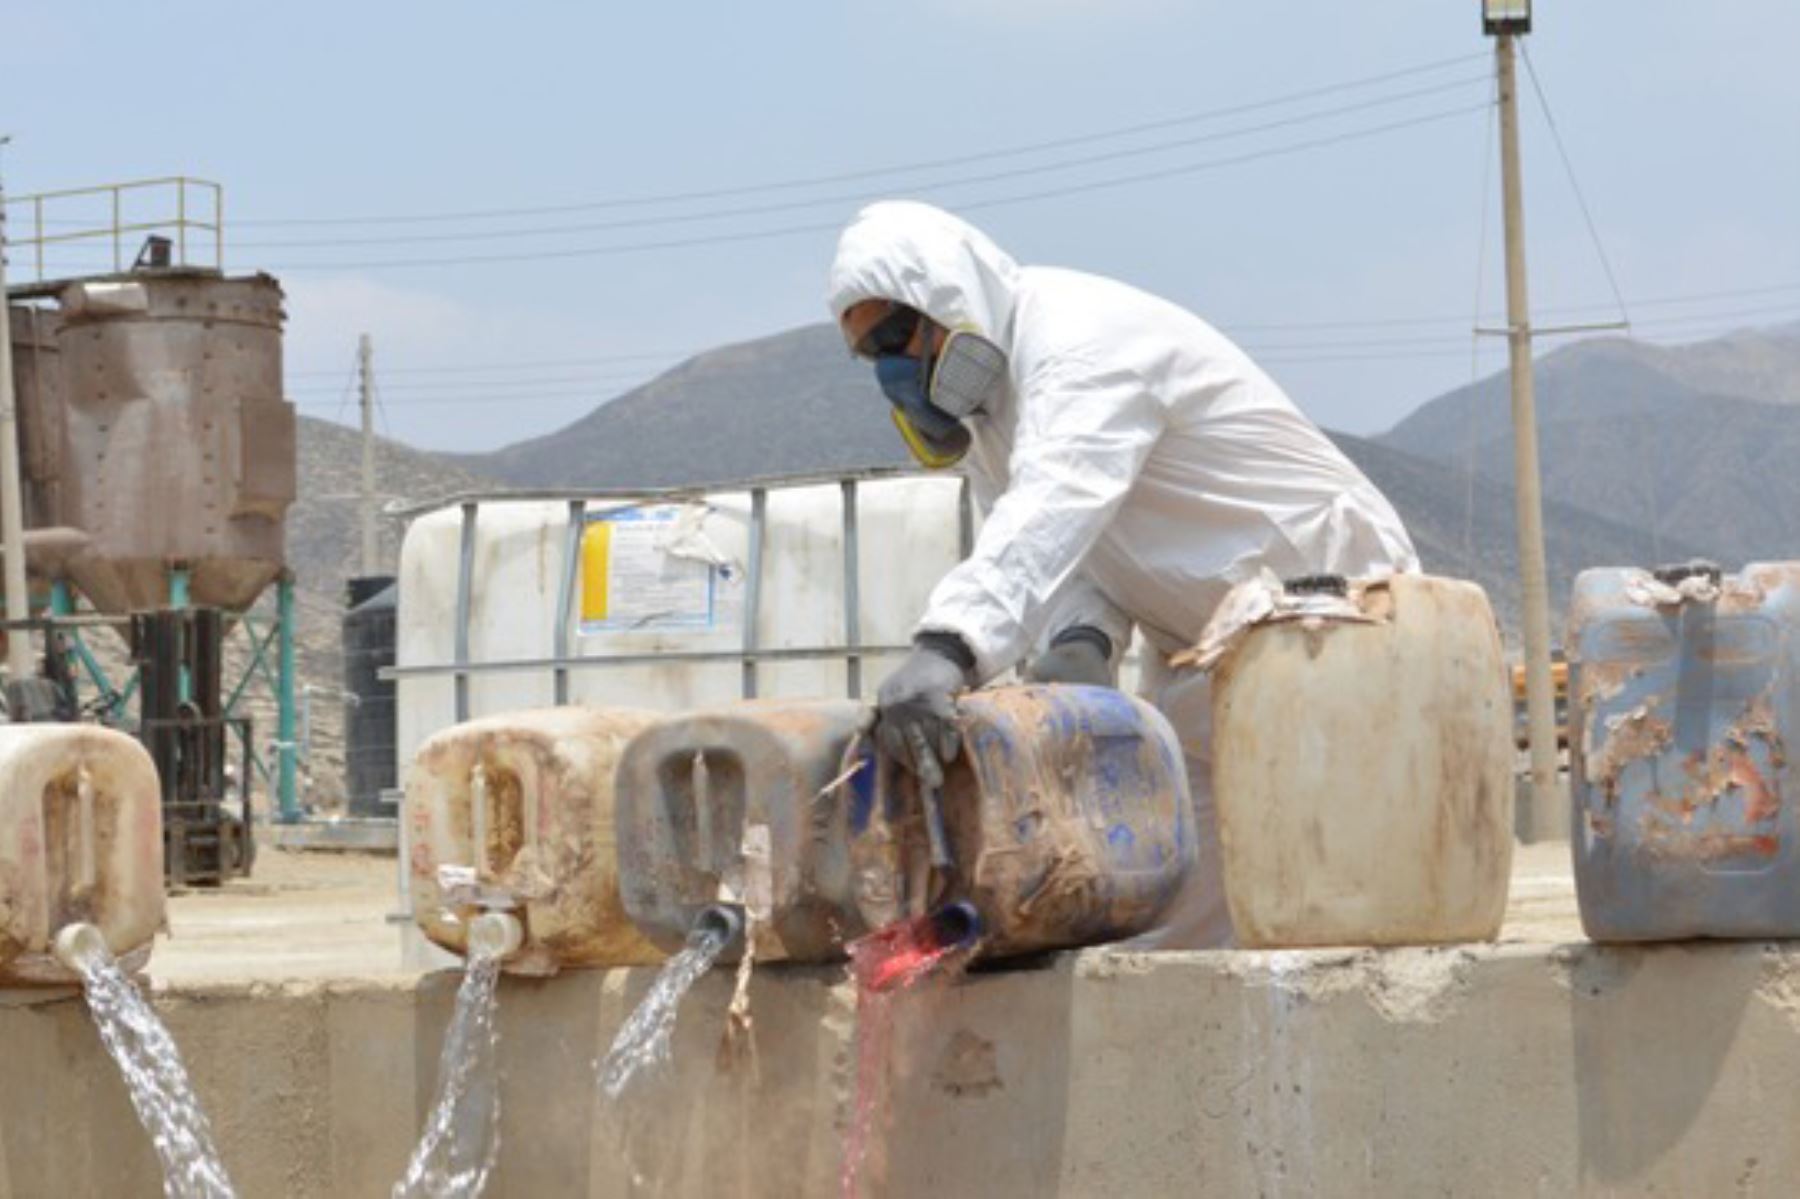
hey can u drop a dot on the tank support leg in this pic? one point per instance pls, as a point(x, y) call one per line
point(285, 744)
point(62, 603)
point(178, 598)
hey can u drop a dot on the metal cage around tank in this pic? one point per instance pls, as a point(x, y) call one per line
point(583, 506)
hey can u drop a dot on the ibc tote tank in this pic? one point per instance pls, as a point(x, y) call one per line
point(655, 576)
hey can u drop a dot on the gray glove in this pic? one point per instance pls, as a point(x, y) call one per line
point(1081, 654)
point(916, 724)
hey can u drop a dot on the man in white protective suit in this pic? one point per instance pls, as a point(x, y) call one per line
point(1132, 465)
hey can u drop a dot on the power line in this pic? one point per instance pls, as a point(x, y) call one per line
point(510, 398)
point(817, 227)
point(1014, 151)
point(545, 363)
point(599, 387)
point(1421, 320)
point(531, 386)
point(473, 385)
point(1481, 249)
point(843, 198)
point(344, 395)
point(1587, 214)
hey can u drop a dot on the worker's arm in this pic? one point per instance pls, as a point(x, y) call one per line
point(1083, 434)
point(1084, 637)
point(1082, 605)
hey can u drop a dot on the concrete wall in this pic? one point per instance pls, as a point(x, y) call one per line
point(1672, 1071)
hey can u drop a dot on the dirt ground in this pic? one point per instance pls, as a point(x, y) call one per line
point(332, 915)
point(302, 915)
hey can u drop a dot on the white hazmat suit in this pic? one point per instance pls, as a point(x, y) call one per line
point(1137, 467)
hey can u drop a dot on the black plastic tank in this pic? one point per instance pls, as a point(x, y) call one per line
point(369, 767)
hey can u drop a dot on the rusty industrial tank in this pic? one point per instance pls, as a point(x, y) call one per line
point(37, 384)
point(175, 446)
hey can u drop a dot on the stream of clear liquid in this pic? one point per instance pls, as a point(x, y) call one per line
point(645, 1038)
point(158, 1083)
point(461, 1141)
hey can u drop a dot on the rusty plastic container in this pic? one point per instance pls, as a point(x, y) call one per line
point(1066, 821)
point(515, 814)
point(1682, 689)
point(1362, 766)
point(80, 842)
point(733, 805)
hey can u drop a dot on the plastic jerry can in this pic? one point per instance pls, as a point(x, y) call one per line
point(731, 805)
point(1362, 765)
point(515, 813)
point(80, 842)
point(1682, 686)
point(1065, 821)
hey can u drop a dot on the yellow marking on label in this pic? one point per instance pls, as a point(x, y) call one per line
point(596, 563)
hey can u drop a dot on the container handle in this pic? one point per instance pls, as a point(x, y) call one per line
point(87, 868)
point(478, 815)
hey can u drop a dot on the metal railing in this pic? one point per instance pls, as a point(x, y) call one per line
point(178, 206)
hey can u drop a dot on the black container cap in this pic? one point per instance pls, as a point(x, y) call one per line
point(1681, 572)
point(1336, 585)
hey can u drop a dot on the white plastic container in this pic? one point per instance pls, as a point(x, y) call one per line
point(1362, 768)
point(514, 814)
point(610, 577)
point(80, 842)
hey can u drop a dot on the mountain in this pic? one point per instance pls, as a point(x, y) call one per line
point(793, 403)
point(1692, 444)
point(1755, 364)
point(324, 533)
point(1463, 525)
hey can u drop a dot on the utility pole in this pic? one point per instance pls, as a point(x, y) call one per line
point(12, 513)
point(371, 547)
point(1504, 20)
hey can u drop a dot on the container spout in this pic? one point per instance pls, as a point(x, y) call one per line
point(721, 921)
point(79, 945)
point(496, 935)
point(955, 925)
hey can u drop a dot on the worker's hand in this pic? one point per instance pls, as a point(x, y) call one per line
point(916, 725)
point(1081, 654)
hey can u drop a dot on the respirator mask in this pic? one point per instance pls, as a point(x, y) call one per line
point(932, 394)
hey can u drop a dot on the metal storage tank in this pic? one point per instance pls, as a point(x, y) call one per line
point(177, 447)
point(37, 386)
point(369, 767)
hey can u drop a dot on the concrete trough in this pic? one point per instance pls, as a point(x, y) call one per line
point(1522, 1069)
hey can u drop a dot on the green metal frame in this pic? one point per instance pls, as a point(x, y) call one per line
point(282, 774)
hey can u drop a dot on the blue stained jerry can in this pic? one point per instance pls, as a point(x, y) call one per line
point(1683, 685)
point(1066, 821)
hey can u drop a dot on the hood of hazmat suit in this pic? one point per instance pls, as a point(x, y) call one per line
point(1137, 465)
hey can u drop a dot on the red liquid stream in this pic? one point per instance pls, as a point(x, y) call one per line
point(884, 963)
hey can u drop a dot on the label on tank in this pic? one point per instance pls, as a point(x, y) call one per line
point(644, 569)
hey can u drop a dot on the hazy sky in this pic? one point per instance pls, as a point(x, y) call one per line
point(1335, 234)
